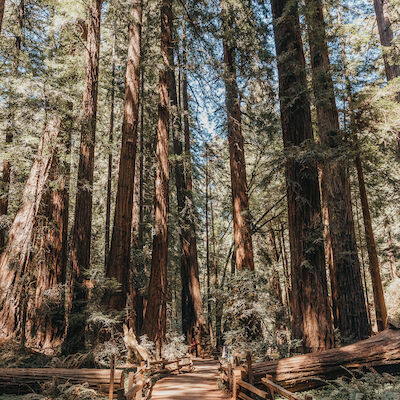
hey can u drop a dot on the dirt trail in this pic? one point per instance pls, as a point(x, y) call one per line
point(200, 384)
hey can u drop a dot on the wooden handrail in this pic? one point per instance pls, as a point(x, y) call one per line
point(275, 388)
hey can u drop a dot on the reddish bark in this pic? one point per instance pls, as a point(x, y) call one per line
point(82, 229)
point(347, 291)
point(312, 320)
point(14, 259)
point(45, 325)
point(118, 266)
point(244, 258)
point(156, 312)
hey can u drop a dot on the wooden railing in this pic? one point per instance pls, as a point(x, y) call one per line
point(232, 378)
point(142, 378)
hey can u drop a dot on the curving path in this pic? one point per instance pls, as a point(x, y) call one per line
point(200, 384)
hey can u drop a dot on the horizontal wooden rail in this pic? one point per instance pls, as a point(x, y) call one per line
point(275, 388)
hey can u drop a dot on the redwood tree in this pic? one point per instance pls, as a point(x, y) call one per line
point(45, 320)
point(118, 265)
point(1, 12)
point(15, 257)
point(240, 200)
point(155, 318)
point(312, 319)
point(347, 292)
point(82, 229)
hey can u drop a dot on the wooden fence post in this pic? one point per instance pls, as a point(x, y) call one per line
point(250, 368)
point(112, 374)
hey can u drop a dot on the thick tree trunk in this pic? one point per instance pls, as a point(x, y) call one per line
point(156, 312)
point(240, 201)
point(45, 325)
point(347, 291)
point(197, 321)
point(82, 229)
point(381, 352)
point(118, 266)
point(110, 159)
point(13, 260)
point(312, 319)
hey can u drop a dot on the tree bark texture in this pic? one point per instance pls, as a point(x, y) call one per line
point(14, 259)
point(45, 320)
point(155, 319)
point(240, 199)
point(310, 309)
point(377, 288)
point(303, 372)
point(118, 266)
point(347, 291)
point(82, 229)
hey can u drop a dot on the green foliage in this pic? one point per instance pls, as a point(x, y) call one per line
point(369, 386)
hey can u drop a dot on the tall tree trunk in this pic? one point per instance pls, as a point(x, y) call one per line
point(156, 312)
point(82, 229)
point(208, 266)
point(197, 320)
point(312, 319)
point(11, 128)
point(347, 291)
point(377, 288)
point(240, 200)
point(14, 259)
point(46, 309)
point(118, 266)
point(110, 158)
point(138, 245)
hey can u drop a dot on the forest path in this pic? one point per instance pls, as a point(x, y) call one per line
point(201, 383)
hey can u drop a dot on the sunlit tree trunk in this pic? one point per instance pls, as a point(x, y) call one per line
point(347, 291)
point(82, 229)
point(45, 320)
point(155, 319)
point(312, 319)
point(240, 200)
point(118, 265)
point(15, 257)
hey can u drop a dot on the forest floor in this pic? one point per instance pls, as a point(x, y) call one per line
point(200, 384)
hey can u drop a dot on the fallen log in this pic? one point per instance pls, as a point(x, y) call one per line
point(380, 352)
point(26, 380)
